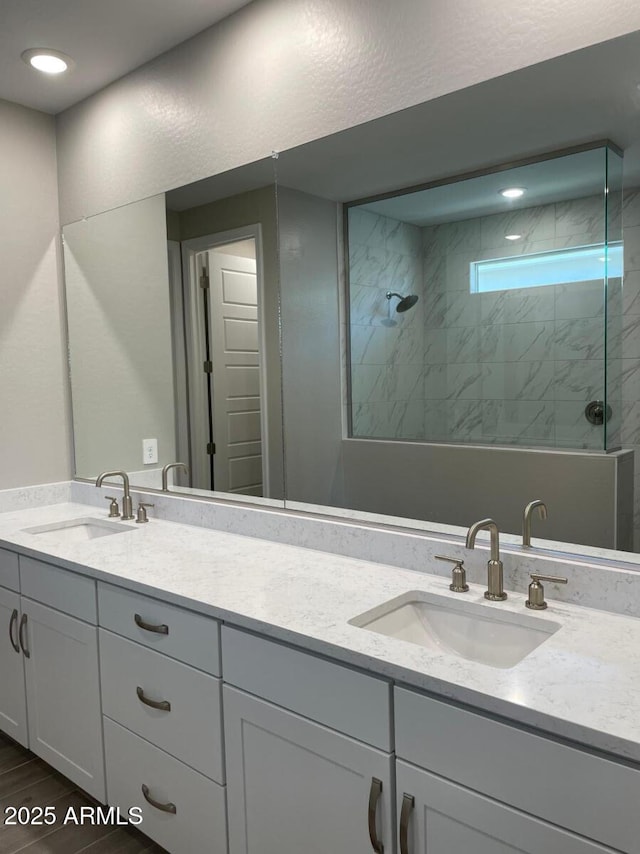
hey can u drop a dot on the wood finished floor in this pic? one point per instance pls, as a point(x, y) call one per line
point(27, 781)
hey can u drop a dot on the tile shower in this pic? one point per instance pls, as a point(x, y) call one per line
point(511, 367)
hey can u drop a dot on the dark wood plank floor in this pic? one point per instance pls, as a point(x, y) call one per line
point(27, 781)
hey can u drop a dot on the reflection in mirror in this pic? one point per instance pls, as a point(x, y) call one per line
point(509, 378)
point(174, 338)
point(502, 339)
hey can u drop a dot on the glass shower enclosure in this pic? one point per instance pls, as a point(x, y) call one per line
point(487, 309)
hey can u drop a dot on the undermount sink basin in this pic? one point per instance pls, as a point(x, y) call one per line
point(469, 630)
point(78, 530)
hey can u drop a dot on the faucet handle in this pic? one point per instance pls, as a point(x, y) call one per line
point(142, 517)
point(114, 510)
point(458, 574)
point(536, 600)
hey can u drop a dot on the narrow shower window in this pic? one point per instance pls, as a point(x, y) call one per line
point(558, 267)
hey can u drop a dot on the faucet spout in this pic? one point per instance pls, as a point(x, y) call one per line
point(165, 473)
point(526, 520)
point(495, 585)
point(485, 525)
point(127, 504)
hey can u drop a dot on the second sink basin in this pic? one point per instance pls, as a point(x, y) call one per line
point(467, 629)
point(78, 530)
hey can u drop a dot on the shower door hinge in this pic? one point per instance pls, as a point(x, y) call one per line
point(208, 367)
point(204, 281)
point(211, 447)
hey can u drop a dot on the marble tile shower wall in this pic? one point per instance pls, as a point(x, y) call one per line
point(387, 347)
point(518, 366)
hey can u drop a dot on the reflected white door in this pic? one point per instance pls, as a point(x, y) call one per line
point(235, 354)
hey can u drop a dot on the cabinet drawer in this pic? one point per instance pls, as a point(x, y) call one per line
point(9, 575)
point(191, 730)
point(61, 589)
point(185, 635)
point(344, 700)
point(198, 824)
point(588, 794)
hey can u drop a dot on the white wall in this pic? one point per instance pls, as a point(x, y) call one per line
point(34, 422)
point(120, 338)
point(282, 72)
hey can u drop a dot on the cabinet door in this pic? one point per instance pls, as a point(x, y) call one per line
point(63, 695)
point(294, 785)
point(439, 817)
point(13, 702)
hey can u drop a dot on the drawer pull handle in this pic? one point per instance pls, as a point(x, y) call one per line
point(163, 705)
point(156, 804)
point(24, 647)
point(13, 623)
point(374, 796)
point(149, 627)
point(408, 803)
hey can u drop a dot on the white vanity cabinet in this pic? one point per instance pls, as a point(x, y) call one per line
point(59, 648)
point(63, 694)
point(13, 698)
point(50, 698)
point(437, 816)
point(295, 784)
point(498, 788)
point(162, 707)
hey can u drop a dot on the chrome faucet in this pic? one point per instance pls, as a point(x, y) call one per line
point(526, 520)
point(127, 504)
point(165, 473)
point(495, 591)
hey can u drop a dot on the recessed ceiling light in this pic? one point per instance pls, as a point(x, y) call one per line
point(513, 192)
point(47, 60)
point(513, 237)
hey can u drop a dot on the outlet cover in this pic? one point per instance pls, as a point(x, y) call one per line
point(149, 451)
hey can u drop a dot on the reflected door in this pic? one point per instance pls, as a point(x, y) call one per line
point(235, 375)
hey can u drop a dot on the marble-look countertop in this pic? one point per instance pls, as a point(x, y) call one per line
point(582, 683)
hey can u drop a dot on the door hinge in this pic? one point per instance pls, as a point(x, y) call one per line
point(208, 367)
point(211, 447)
point(204, 280)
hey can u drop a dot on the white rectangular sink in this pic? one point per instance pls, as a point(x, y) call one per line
point(78, 530)
point(469, 630)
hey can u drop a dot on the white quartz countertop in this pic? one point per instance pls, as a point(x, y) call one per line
point(582, 683)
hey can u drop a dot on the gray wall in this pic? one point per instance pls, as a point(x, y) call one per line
point(282, 72)
point(311, 348)
point(34, 421)
point(457, 485)
point(120, 338)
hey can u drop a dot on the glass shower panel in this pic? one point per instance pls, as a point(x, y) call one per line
point(616, 391)
point(478, 318)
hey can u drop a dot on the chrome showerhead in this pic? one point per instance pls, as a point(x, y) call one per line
point(405, 302)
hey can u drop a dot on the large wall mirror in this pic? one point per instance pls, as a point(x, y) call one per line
point(457, 337)
point(174, 342)
point(365, 326)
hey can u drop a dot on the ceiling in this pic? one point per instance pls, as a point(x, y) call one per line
point(106, 38)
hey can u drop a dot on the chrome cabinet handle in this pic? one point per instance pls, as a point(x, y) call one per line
point(24, 647)
point(374, 796)
point(156, 804)
point(163, 705)
point(149, 627)
point(13, 622)
point(408, 803)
